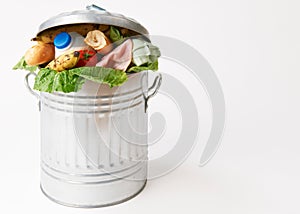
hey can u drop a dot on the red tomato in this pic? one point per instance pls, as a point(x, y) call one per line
point(86, 57)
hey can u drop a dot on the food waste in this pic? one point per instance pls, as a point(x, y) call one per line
point(64, 57)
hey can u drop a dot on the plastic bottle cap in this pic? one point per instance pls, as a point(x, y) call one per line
point(62, 40)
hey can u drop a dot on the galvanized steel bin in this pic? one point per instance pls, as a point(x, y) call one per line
point(94, 142)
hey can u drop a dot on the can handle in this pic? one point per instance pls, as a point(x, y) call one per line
point(155, 86)
point(29, 88)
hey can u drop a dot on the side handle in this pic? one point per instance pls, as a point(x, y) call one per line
point(30, 89)
point(154, 89)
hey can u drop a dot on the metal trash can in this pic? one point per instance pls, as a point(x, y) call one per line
point(91, 153)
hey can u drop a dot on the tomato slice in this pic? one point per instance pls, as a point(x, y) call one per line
point(87, 57)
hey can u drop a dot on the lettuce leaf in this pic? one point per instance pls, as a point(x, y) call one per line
point(44, 80)
point(23, 66)
point(150, 66)
point(110, 76)
point(115, 34)
point(66, 81)
point(48, 80)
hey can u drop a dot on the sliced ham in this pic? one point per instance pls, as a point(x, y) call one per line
point(119, 58)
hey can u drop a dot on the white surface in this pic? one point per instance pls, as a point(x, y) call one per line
point(252, 45)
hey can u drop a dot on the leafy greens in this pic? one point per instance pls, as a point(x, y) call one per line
point(150, 66)
point(23, 65)
point(115, 34)
point(109, 76)
point(48, 80)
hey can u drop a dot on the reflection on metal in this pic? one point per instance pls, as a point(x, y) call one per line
point(89, 144)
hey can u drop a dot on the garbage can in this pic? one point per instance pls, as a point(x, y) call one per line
point(91, 153)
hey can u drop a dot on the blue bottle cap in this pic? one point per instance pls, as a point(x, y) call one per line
point(62, 40)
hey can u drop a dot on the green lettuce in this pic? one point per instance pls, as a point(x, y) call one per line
point(23, 66)
point(115, 34)
point(48, 80)
point(150, 66)
point(110, 76)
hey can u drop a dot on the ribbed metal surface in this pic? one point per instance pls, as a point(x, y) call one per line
point(91, 138)
point(91, 143)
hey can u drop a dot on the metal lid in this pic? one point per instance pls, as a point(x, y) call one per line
point(94, 15)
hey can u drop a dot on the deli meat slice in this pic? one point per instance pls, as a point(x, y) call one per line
point(119, 58)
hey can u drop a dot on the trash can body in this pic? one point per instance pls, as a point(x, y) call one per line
point(94, 143)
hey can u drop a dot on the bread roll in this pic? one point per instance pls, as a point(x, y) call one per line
point(40, 54)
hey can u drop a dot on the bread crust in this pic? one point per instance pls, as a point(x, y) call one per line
point(40, 54)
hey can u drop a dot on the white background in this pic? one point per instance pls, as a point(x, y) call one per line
point(253, 46)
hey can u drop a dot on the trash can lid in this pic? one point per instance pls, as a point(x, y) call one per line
point(93, 15)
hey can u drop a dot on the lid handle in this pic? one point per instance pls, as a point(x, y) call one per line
point(94, 7)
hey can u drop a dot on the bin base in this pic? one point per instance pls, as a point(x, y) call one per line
point(93, 195)
point(92, 206)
